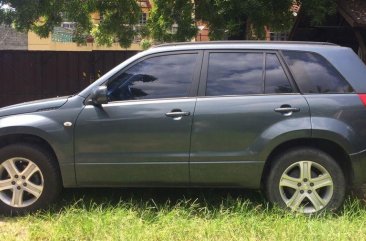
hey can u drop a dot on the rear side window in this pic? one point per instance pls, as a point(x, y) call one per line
point(276, 80)
point(245, 73)
point(314, 74)
point(235, 74)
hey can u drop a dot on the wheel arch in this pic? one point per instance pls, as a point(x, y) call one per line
point(30, 139)
point(330, 147)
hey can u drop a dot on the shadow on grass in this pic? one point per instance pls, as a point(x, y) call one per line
point(159, 197)
point(211, 199)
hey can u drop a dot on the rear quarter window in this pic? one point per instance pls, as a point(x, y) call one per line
point(314, 74)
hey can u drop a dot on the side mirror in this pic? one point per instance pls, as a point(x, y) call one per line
point(98, 96)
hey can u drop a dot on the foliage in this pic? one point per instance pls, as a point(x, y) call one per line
point(231, 17)
point(145, 44)
point(40, 16)
point(172, 20)
point(318, 10)
point(100, 38)
point(119, 18)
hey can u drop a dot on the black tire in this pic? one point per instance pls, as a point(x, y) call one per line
point(292, 158)
point(48, 170)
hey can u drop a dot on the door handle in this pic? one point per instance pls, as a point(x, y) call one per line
point(287, 110)
point(177, 114)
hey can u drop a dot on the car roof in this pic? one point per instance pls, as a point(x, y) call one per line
point(317, 47)
point(243, 42)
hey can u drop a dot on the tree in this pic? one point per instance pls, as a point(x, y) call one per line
point(41, 16)
point(233, 17)
point(318, 10)
point(170, 20)
point(230, 18)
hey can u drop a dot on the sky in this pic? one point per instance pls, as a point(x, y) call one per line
point(5, 6)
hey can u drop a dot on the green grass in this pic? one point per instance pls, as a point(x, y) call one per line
point(179, 214)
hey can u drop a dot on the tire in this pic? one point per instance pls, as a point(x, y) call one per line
point(29, 179)
point(306, 180)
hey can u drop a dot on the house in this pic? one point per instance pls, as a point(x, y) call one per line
point(347, 27)
point(10, 39)
point(61, 38)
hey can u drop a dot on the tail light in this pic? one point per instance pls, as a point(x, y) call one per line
point(363, 98)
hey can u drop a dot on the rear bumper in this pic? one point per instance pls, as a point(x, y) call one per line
point(358, 161)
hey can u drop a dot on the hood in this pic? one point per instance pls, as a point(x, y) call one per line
point(33, 106)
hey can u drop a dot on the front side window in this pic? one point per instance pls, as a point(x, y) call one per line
point(157, 77)
point(314, 74)
point(235, 74)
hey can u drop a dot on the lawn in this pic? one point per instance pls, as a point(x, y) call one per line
point(179, 214)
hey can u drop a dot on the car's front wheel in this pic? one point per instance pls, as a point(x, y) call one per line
point(29, 178)
point(306, 180)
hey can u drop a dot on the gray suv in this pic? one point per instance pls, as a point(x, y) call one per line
point(288, 118)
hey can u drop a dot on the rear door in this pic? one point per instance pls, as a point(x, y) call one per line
point(245, 102)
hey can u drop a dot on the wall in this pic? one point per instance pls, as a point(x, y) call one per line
point(46, 44)
point(11, 39)
point(31, 75)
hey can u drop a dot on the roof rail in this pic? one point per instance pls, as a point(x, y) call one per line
point(242, 42)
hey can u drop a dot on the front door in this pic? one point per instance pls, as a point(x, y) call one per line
point(142, 136)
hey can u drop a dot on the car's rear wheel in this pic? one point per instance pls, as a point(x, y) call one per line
point(29, 178)
point(306, 180)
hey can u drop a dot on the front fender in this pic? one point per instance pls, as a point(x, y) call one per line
point(49, 126)
point(41, 125)
point(53, 132)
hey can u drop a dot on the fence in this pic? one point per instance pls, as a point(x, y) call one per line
point(30, 75)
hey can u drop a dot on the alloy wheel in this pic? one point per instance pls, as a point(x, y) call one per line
point(306, 187)
point(21, 182)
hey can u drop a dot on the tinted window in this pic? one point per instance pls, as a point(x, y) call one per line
point(314, 74)
point(157, 77)
point(235, 74)
point(276, 80)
